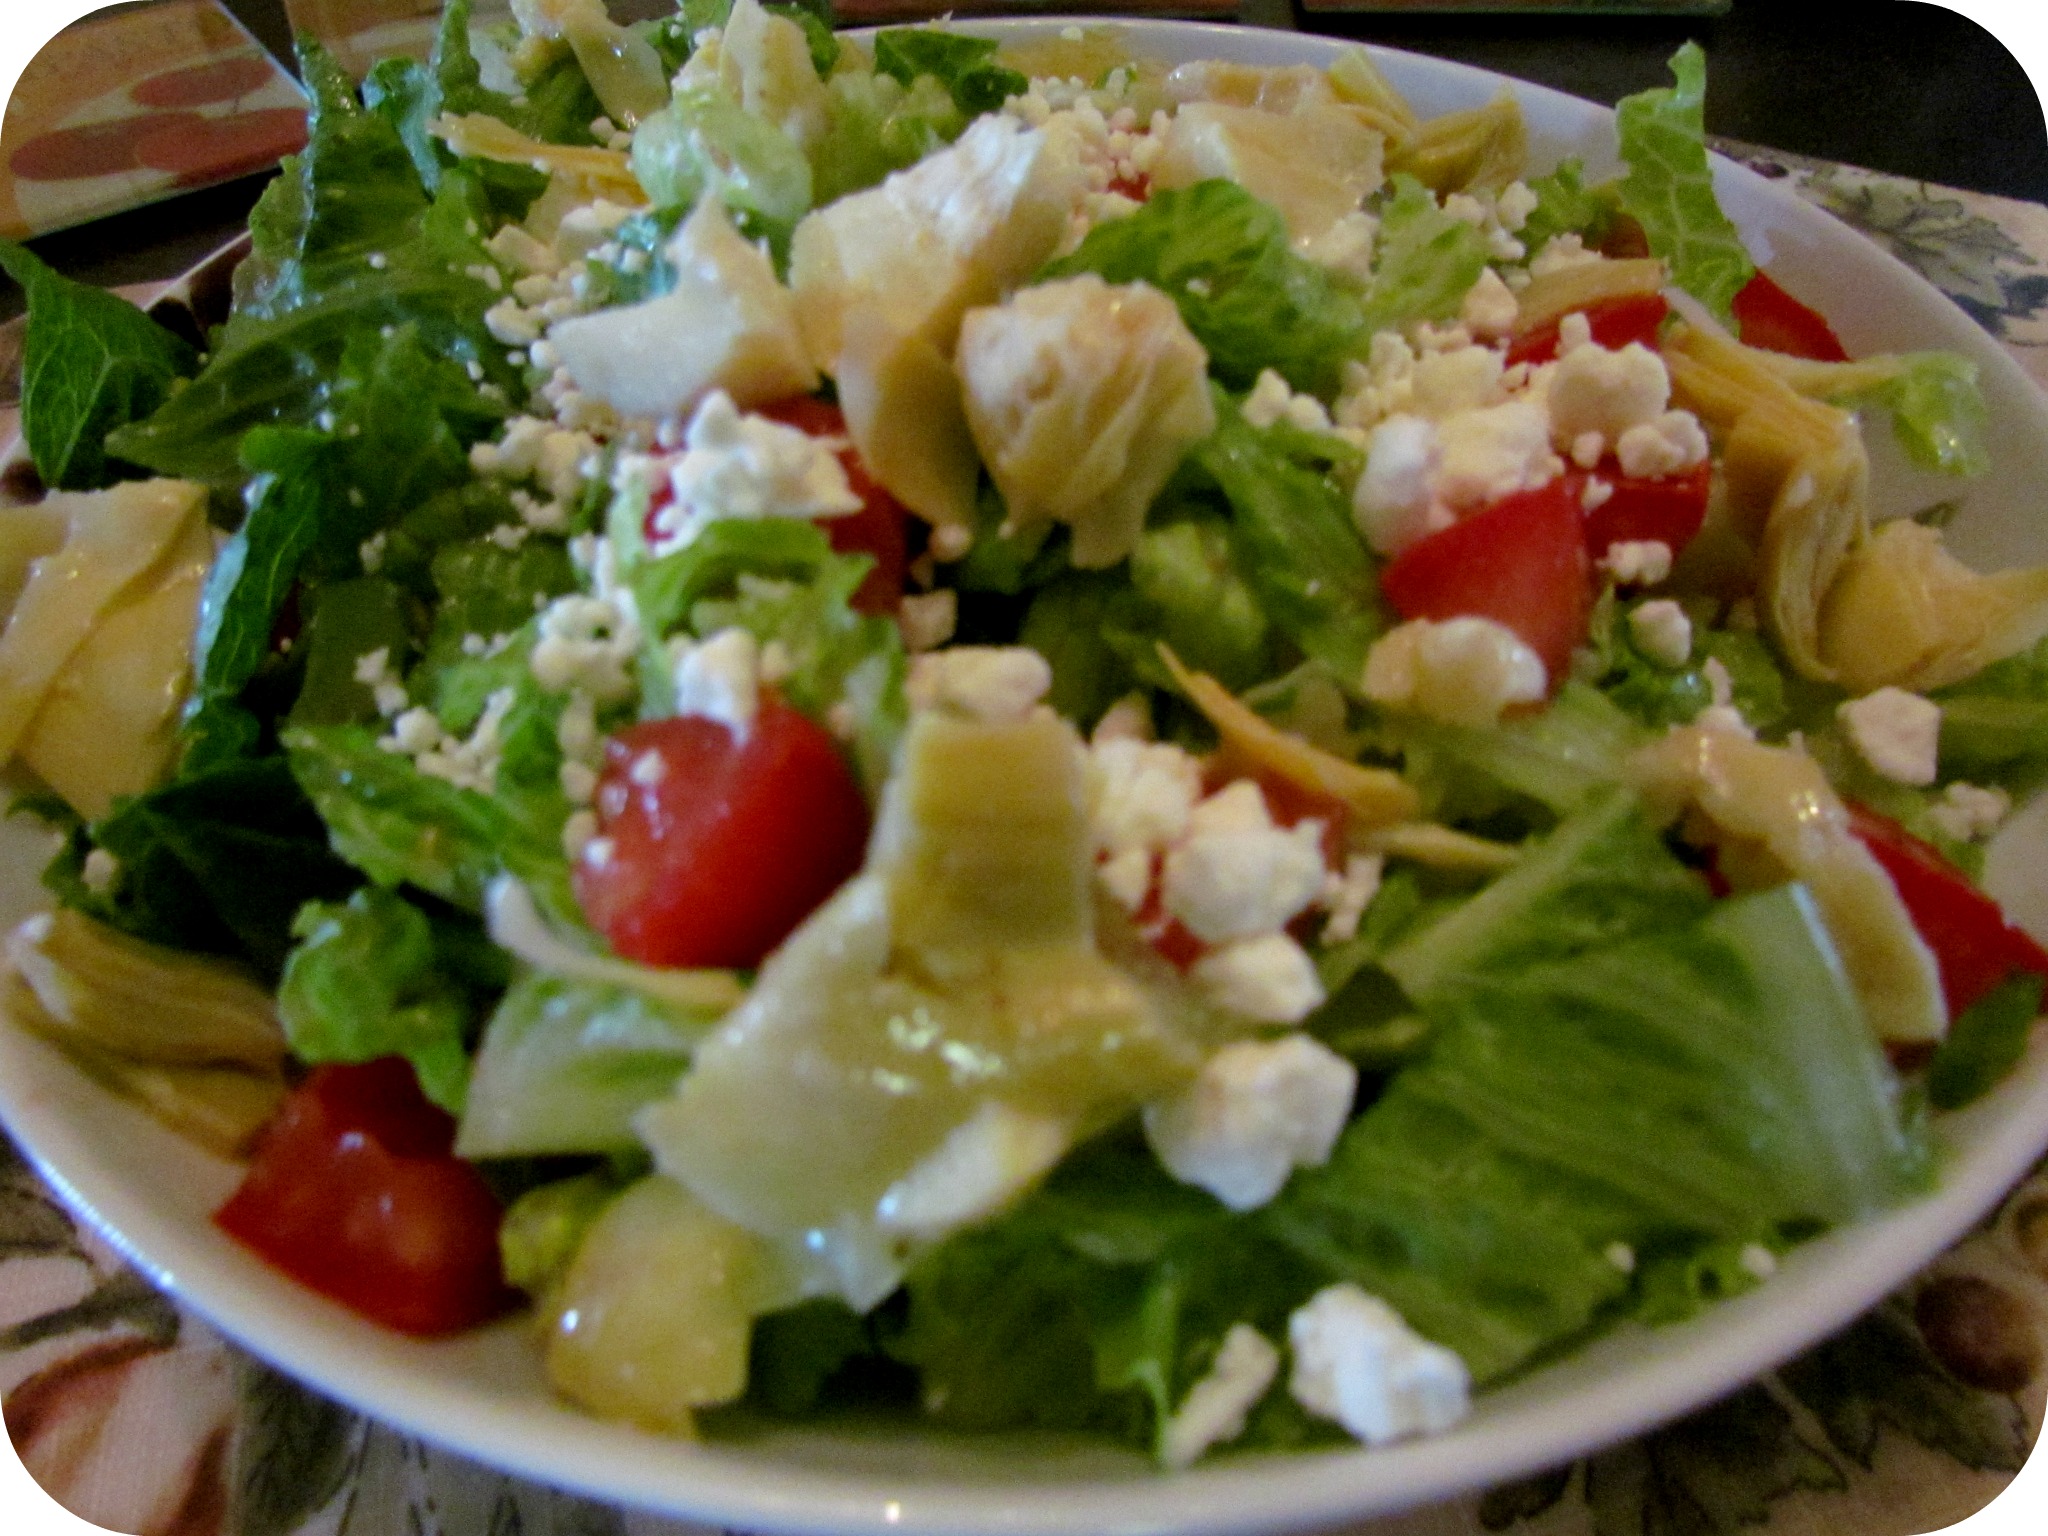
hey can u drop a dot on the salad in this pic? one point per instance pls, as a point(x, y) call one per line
point(1009, 734)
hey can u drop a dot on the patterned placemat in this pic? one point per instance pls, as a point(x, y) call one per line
point(136, 1416)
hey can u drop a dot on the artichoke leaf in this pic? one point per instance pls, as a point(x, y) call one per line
point(1314, 164)
point(1482, 149)
point(1549, 298)
point(763, 62)
point(1905, 613)
point(1083, 398)
point(1774, 815)
point(1358, 83)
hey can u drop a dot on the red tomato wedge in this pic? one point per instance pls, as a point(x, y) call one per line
point(1667, 511)
point(1973, 943)
point(1522, 562)
point(1767, 316)
point(879, 529)
point(1615, 323)
point(355, 1191)
point(712, 848)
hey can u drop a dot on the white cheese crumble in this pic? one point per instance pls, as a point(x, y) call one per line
point(101, 872)
point(718, 678)
point(927, 619)
point(373, 671)
point(1896, 732)
point(1214, 1411)
point(1662, 632)
point(1392, 502)
point(1273, 400)
point(1463, 671)
point(1236, 875)
point(1669, 445)
point(1270, 979)
point(1257, 1111)
point(588, 642)
point(1346, 246)
point(746, 466)
point(1621, 1256)
point(1356, 1361)
point(1492, 453)
point(1966, 812)
point(467, 763)
point(1637, 562)
point(1142, 794)
point(1560, 252)
point(1591, 389)
point(1490, 308)
point(1758, 1260)
point(992, 683)
point(1347, 895)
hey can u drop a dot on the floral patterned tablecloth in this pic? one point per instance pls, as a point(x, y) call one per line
point(138, 1417)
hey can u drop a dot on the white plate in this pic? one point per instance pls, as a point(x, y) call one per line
point(483, 1394)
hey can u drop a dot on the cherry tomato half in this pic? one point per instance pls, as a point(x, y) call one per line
point(355, 1191)
point(1767, 316)
point(1521, 562)
point(712, 848)
point(879, 529)
point(1615, 323)
point(1667, 511)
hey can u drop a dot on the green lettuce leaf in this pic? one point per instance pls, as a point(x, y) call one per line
point(966, 66)
point(1197, 601)
point(545, 1227)
point(378, 977)
point(1425, 261)
point(403, 827)
point(1709, 1082)
point(1994, 727)
point(1604, 875)
point(90, 362)
point(217, 861)
point(565, 1065)
point(1565, 205)
point(877, 125)
point(1225, 260)
point(350, 620)
point(1985, 1044)
point(1294, 540)
point(1937, 411)
point(704, 143)
point(1669, 188)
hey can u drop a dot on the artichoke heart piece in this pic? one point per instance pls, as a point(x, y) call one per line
point(588, 171)
point(727, 324)
point(1083, 398)
point(119, 547)
point(934, 1037)
point(1775, 817)
point(1905, 613)
point(1797, 478)
point(1478, 150)
point(1549, 298)
point(1315, 163)
point(623, 69)
point(763, 62)
point(653, 1318)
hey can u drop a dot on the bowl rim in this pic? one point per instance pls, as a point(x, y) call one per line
point(421, 1389)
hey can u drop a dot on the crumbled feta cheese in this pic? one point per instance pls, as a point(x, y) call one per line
point(1464, 671)
point(1357, 1362)
point(1573, 332)
point(1236, 874)
point(1514, 205)
point(1595, 496)
point(588, 643)
point(1965, 812)
point(1559, 252)
point(1257, 1111)
point(1272, 400)
point(578, 833)
point(1391, 502)
point(1214, 1411)
point(1346, 246)
point(1462, 379)
point(1896, 732)
point(993, 683)
point(373, 671)
point(1490, 309)
point(1758, 1260)
point(470, 763)
point(927, 619)
point(371, 552)
point(1637, 562)
point(1594, 390)
point(1493, 453)
point(1347, 895)
point(982, 1165)
point(1588, 449)
point(746, 466)
point(1269, 979)
point(100, 872)
point(1142, 795)
point(1720, 686)
point(1127, 876)
point(1662, 632)
point(1670, 445)
point(1622, 1257)
point(719, 678)
point(509, 322)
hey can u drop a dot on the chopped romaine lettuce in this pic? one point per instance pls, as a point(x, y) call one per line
point(565, 1065)
point(876, 126)
point(1937, 412)
point(378, 976)
point(705, 144)
point(1224, 258)
point(966, 66)
point(1565, 205)
point(1426, 261)
point(1985, 1044)
point(1669, 188)
point(1994, 728)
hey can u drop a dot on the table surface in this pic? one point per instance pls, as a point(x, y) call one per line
point(1912, 89)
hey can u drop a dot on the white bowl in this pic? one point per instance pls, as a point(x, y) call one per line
point(483, 1395)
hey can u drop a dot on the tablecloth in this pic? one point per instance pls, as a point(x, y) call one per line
point(137, 1416)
